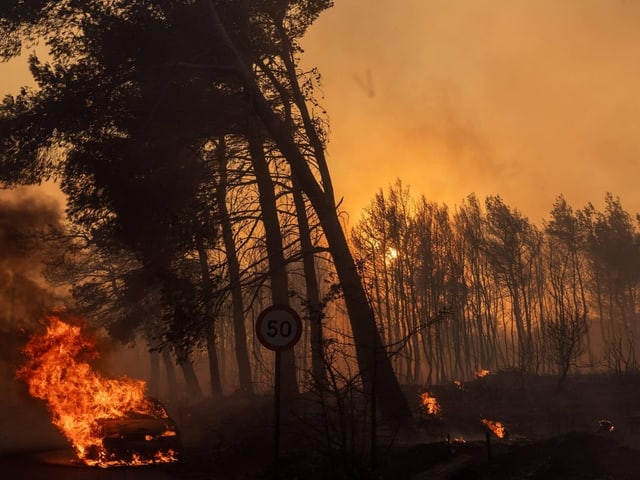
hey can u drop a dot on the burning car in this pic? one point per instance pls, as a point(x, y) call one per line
point(108, 421)
point(136, 438)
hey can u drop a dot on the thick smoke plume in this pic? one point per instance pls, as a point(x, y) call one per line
point(27, 221)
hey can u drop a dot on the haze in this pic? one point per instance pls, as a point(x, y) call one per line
point(524, 99)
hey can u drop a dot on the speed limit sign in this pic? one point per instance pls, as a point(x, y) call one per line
point(278, 327)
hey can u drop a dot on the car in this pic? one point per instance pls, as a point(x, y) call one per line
point(137, 439)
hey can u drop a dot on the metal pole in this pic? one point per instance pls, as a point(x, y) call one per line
point(276, 435)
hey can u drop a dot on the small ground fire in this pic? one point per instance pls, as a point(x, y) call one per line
point(429, 403)
point(496, 428)
point(97, 415)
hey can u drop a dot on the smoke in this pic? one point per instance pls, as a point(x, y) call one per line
point(27, 219)
point(523, 99)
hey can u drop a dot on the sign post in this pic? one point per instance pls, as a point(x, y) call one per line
point(278, 328)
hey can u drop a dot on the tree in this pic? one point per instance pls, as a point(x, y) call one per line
point(612, 248)
point(566, 326)
point(130, 175)
point(512, 246)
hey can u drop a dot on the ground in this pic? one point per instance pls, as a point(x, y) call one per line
point(553, 434)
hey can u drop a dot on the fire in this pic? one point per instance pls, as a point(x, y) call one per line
point(79, 398)
point(458, 384)
point(455, 440)
point(605, 426)
point(429, 403)
point(482, 373)
point(496, 427)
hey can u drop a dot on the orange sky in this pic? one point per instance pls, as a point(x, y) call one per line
point(527, 99)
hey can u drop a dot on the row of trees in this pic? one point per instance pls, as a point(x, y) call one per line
point(518, 296)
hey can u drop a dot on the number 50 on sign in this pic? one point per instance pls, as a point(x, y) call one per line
point(278, 327)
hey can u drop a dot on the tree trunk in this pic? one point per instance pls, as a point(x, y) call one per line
point(172, 381)
point(275, 253)
point(214, 367)
point(314, 307)
point(233, 264)
point(154, 374)
point(193, 385)
point(207, 294)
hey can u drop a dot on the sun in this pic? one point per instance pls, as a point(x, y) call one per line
point(392, 254)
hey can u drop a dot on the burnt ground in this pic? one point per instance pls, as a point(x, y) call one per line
point(552, 435)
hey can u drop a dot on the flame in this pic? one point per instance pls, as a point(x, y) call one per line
point(496, 427)
point(482, 373)
point(606, 426)
point(458, 384)
point(429, 403)
point(78, 397)
point(455, 440)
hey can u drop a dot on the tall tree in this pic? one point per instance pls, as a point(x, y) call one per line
point(512, 246)
point(566, 326)
point(233, 267)
point(614, 255)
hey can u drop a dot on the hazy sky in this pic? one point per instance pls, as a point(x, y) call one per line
point(527, 99)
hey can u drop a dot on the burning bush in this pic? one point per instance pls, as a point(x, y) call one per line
point(429, 403)
point(494, 427)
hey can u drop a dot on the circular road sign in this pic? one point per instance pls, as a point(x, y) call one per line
point(278, 327)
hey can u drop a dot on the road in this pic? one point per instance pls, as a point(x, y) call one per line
point(58, 465)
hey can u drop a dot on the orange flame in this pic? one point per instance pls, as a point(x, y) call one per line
point(456, 440)
point(496, 427)
point(429, 403)
point(482, 373)
point(78, 397)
